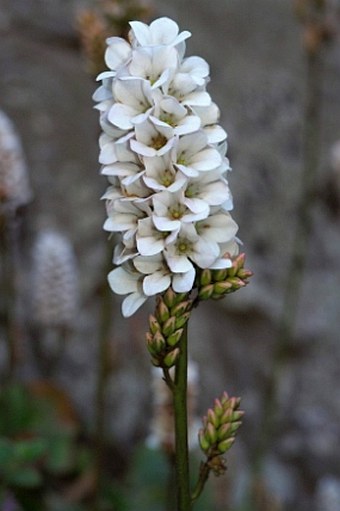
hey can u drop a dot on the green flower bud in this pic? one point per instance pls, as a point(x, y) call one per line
point(174, 338)
point(180, 322)
point(222, 287)
point(234, 427)
point(211, 433)
point(171, 358)
point(233, 269)
point(218, 409)
point(236, 282)
point(225, 445)
point(205, 277)
point(206, 291)
point(169, 326)
point(213, 418)
point(204, 443)
point(244, 274)
point(153, 324)
point(236, 416)
point(169, 297)
point(180, 308)
point(224, 431)
point(162, 311)
point(159, 343)
point(219, 275)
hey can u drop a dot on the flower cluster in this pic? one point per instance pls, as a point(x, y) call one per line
point(164, 154)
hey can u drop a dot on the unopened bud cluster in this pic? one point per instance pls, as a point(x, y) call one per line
point(216, 284)
point(166, 328)
point(219, 429)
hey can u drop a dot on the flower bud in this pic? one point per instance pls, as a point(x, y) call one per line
point(206, 292)
point(180, 322)
point(169, 297)
point(153, 324)
point(225, 445)
point(222, 287)
point(211, 433)
point(174, 338)
point(204, 443)
point(180, 308)
point(212, 418)
point(171, 358)
point(205, 277)
point(162, 311)
point(219, 275)
point(169, 326)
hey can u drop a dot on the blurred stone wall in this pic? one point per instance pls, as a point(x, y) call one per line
point(258, 80)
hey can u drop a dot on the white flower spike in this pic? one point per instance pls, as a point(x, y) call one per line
point(163, 152)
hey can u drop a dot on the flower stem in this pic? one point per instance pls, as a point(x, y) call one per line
point(181, 426)
point(203, 477)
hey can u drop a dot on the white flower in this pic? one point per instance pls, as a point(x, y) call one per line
point(162, 31)
point(128, 282)
point(163, 153)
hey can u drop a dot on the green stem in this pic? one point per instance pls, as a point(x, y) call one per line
point(181, 426)
point(203, 477)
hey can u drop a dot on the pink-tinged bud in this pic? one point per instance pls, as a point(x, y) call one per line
point(244, 274)
point(153, 324)
point(227, 416)
point(236, 416)
point(234, 402)
point(221, 288)
point(240, 260)
point(180, 322)
point(211, 433)
point(212, 418)
point(224, 398)
point(205, 277)
point(171, 358)
point(169, 297)
point(236, 282)
point(225, 445)
point(180, 308)
point(219, 275)
point(218, 408)
point(204, 443)
point(234, 426)
point(233, 270)
point(158, 342)
point(224, 431)
point(162, 312)
point(169, 326)
point(174, 338)
point(206, 292)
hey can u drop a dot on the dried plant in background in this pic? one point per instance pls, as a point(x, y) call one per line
point(55, 297)
point(15, 192)
point(107, 18)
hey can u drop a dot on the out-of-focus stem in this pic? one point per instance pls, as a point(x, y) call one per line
point(303, 227)
point(8, 277)
point(104, 370)
point(181, 426)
